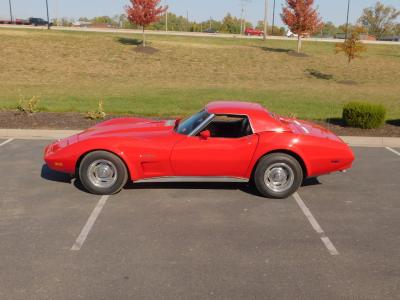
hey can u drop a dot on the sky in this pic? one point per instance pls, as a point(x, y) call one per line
point(330, 10)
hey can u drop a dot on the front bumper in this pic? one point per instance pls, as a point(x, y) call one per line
point(59, 159)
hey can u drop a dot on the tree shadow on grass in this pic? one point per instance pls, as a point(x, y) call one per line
point(319, 75)
point(275, 50)
point(129, 41)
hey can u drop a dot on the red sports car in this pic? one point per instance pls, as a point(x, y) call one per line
point(226, 141)
point(251, 31)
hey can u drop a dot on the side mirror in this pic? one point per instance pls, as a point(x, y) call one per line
point(177, 122)
point(205, 134)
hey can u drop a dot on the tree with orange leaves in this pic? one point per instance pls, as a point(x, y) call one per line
point(144, 12)
point(352, 47)
point(301, 18)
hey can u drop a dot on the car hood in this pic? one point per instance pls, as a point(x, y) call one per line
point(308, 128)
point(133, 127)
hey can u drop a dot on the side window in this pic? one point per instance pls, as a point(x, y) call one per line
point(229, 126)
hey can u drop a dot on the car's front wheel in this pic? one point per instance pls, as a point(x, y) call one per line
point(278, 175)
point(102, 173)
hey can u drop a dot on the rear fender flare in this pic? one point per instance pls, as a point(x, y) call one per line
point(289, 151)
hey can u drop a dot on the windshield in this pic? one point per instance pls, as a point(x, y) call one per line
point(187, 126)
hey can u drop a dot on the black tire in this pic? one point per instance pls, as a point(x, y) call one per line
point(280, 165)
point(104, 159)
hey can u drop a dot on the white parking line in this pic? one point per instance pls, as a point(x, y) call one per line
point(394, 151)
point(6, 142)
point(89, 224)
point(327, 242)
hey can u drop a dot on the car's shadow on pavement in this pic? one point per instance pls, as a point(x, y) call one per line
point(247, 188)
point(244, 187)
point(311, 181)
point(50, 175)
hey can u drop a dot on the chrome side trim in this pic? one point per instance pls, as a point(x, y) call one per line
point(194, 179)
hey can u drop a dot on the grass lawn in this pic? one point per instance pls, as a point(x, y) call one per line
point(72, 71)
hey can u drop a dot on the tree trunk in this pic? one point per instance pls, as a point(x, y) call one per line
point(299, 43)
point(144, 38)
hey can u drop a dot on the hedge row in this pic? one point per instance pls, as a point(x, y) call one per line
point(364, 115)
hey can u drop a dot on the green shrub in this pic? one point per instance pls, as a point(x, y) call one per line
point(97, 114)
point(29, 106)
point(364, 115)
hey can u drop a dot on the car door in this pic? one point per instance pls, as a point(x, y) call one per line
point(214, 155)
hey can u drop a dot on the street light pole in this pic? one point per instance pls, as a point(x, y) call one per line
point(166, 16)
point(11, 15)
point(166, 20)
point(347, 21)
point(265, 20)
point(48, 18)
point(273, 17)
point(187, 21)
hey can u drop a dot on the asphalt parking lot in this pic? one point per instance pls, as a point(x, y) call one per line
point(339, 238)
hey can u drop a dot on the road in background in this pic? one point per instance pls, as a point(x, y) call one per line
point(190, 34)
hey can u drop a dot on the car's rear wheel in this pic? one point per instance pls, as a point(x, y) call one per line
point(278, 175)
point(102, 173)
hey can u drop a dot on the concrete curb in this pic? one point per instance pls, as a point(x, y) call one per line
point(36, 134)
point(361, 141)
point(33, 134)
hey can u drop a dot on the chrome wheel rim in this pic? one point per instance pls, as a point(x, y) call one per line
point(102, 173)
point(279, 177)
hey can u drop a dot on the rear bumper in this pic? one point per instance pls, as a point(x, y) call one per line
point(336, 159)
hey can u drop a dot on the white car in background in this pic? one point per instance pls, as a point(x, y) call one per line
point(291, 34)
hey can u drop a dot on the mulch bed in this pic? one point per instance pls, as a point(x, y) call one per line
point(49, 120)
point(390, 129)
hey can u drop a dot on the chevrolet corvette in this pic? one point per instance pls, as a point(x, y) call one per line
point(225, 141)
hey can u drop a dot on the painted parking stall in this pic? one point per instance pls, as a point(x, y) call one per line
point(5, 142)
point(360, 212)
point(395, 151)
point(193, 240)
point(40, 214)
point(203, 234)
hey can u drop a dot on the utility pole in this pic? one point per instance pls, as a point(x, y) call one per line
point(11, 15)
point(243, 15)
point(241, 19)
point(166, 20)
point(347, 21)
point(273, 17)
point(166, 17)
point(265, 20)
point(187, 19)
point(210, 22)
point(57, 9)
point(48, 18)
